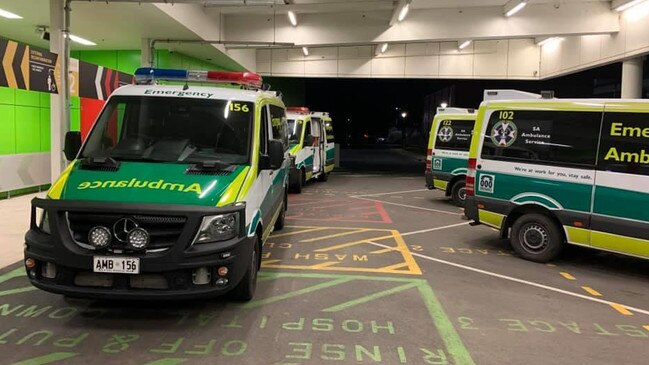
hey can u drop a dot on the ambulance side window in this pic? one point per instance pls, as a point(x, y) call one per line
point(560, 138)
point(307, 132)
point(263, 137)
point(625, 143)
point(278, 122)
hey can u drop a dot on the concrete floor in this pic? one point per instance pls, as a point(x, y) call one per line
point(370, 269)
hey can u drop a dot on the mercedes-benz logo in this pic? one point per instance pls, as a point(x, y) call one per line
point(122, 227)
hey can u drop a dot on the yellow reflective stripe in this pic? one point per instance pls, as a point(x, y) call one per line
point(250, 178)
point(329, 168)
point(440, 184)
point(578, 236)
point(230, 195)
point(618, 243)
point(308, 175)
point(57, 188)
point(490, 218)
point(585, 105)
point(627, 107)
point(477, 131)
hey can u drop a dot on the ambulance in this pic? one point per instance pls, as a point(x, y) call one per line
point(311, 146)
point(170, 196)
point(448, 152)
point(549, 172)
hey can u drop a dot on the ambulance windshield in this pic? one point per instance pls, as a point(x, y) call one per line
point(165, 129)
point(294, 130)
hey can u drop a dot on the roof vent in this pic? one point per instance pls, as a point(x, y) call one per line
point(547, 94)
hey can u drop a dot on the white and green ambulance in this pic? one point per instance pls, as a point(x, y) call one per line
point(448, 152)
point(312, 149)
point(546, 172)
point(171, 195)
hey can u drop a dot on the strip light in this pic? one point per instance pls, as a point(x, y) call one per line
point(464, 44)
point(305, 50)
point(516, 9)
point(80, 40)
point(550, 40)
point(292, 18)
point(9, 15)
point(404, 12)
point(384, 47)
point(629, 5)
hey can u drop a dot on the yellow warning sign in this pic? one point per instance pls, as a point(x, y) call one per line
point(344, 249)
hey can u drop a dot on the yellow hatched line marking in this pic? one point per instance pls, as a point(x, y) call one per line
point(383, 250)
point(646, 327)
point(591, 291)
point(334, 235)
point(349, 269)
point(324, 264)
point(353, 243)
point(266, 262)
point(567, 276)
point(622, 309)
point(395, 266)
point(551, 265)
point(313, 229)
point(347, 228)
point(405, 252)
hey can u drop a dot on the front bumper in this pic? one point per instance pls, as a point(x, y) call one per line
point(171, 269)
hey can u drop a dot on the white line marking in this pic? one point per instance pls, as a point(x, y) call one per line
point(392, 192)
point(516, 280)
point(433, 229)
point(408, 206)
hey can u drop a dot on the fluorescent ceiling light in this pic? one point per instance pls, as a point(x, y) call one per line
point(626, 4)
point(292, 18)
point(549, 41)
point(80, 40)
point(518, 7)
point(305, 51)
point(9, 15)
point(403, 12)
point(464, 44)
point(384, 47)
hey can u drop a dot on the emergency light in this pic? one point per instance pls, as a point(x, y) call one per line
point(298, 109)
point(148, 75)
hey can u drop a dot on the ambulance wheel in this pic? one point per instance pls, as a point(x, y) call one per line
point(245, 290)
point(323, 177)
point(279, 223)
point(458, 193)
point(537, 238)
point(296, 186)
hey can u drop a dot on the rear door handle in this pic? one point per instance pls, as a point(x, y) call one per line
point(479, 167)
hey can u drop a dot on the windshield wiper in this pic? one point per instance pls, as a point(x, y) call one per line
point(92, 163)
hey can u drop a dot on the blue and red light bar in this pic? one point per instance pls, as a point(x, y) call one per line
point(298, 109)
point(147, 75)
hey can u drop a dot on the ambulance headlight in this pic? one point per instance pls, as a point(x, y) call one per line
point(99, 237)
point(218, 228)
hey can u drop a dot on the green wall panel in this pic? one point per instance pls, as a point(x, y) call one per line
point(7, 96)
point(45, 129)
point(45, 100)
point(7, 130)
point(28, 129)
point(101, 58)
point(128, 61)
point(28, 98)
point(75, 102)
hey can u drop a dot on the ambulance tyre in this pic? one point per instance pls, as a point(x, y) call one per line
point(323, 177)
point(279, 223)
point(458, 193)
point(296, 185)
point(537, 238)
point(245, 290)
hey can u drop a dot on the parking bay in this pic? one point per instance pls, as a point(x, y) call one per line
point(363, 273)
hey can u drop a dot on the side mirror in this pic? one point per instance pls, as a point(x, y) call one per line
point(72, 145)
point(275, 154)
point(308, 140)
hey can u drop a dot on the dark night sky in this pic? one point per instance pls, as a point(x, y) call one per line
point(370, 103)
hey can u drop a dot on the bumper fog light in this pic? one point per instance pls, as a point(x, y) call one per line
point(138, 238)
point(99, 237)
point(30, 263)
point(222, 281)
point(201, 276)
point(48, 270)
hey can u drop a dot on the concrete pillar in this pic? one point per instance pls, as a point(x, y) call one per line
point(632, 78)
point(59, 103)
point(146, 53)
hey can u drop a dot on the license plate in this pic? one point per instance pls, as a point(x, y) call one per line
point(116, 265)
